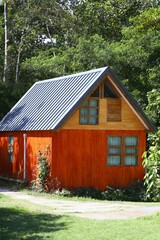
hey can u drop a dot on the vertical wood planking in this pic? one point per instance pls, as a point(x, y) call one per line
point(83, 161)
point(78, 157)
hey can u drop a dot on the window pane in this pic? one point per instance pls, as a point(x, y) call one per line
point(131, 141)
point(108, 91)
point(84, 111)
point(130, 160)
point(10, 140)
point(93, 120)
point(114, 141)
point(93, 112)
point(84, 120)
point(10, 157)
point(131, 150)
point(114, 160)
point(10, 148)
point(114, 150)
point(93, 103)
point(95, 93)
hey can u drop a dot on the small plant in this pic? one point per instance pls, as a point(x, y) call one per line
point(43, 171)
point(54, 186)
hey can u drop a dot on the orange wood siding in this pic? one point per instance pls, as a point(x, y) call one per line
point(35, 141)
point(80, 157)
point(11, 169)
point(129, 120)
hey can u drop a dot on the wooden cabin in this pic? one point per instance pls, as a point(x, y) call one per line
point(95, 131)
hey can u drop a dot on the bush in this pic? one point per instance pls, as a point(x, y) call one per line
point(152, 164)
point(88, 192)
point(135, 192)
point(113, 194)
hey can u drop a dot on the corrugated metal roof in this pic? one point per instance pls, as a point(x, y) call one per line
point(48, 103)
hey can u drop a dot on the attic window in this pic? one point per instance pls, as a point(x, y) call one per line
point(108, 92)
point(104, 91)
point(89, 112)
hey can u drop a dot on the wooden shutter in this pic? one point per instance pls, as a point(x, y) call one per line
point(113, 109)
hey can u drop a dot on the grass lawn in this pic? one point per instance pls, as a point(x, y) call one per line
point(22, 220)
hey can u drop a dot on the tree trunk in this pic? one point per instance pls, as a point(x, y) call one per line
point(6, 43)
point(18, 59)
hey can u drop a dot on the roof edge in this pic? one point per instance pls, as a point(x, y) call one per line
point(134, 103)
point(72, 75)
point(105, 70)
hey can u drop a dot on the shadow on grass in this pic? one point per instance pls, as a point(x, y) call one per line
point(19, 224)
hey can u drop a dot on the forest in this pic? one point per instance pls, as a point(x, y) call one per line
point(44, 39)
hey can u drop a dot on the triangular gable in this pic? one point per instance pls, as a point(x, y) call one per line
point(47, 104)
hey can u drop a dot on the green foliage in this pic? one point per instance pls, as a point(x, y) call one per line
point(10, 93)
point(152, 164)
point(52, 38)
point(107, 18)
point(135, 192)
point(153, 108)
point(87, 192)
point(137, 55)
point(152, 155)
point(43, 171)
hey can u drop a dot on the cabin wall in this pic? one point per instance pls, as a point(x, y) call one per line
point(35, 141)
point(11, 169)
point(77, 157)
point(81, 159)
point(129, 120)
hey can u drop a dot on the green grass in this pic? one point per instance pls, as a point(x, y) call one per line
point(22, 220)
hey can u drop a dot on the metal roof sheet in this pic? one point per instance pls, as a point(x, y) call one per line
point(48, 103)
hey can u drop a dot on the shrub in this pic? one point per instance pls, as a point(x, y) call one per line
point(43, 168)
point(152, 164)
point(88, 192)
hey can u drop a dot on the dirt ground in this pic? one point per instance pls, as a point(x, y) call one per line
point(90, 209)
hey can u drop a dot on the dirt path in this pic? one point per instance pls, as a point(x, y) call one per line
point(94, 210)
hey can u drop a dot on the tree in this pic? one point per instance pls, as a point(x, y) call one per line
point(107, 17)
point(33, 26)
point(89, 53)
point(6, 42)
point(137, 55)
point(153, 108)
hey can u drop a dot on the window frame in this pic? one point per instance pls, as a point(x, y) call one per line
point(102, 91)
point(123, 148)
point(89, 116)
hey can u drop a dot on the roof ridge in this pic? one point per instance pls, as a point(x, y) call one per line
point(72, 75)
